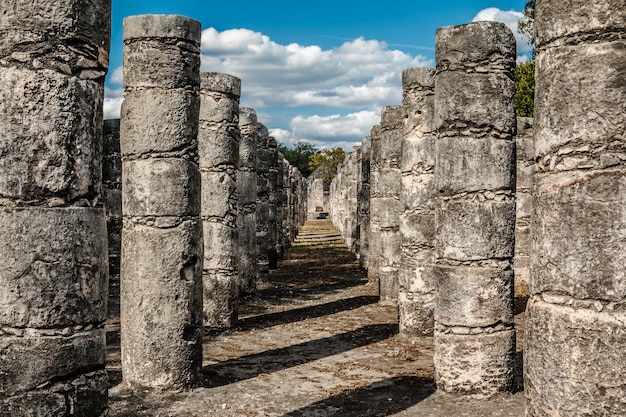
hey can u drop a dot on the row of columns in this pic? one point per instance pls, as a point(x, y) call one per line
point(173, 185)
point(463, 158)
point(203, 211)
point(442, 207)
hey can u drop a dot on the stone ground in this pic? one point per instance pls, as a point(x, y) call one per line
point(313, 342)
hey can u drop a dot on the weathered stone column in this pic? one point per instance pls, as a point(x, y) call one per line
point(262, 204)
point(385, 200)
point(161, 282)
point(280, 205)
point(416, 299)
point(363, 209)
point(274, 202)
point(374, 249)
point(575, 336)
point(218, 146)
point(112, 197)
point(53, 246)
point(524, 143)
point(474, 339)
point(246, 200)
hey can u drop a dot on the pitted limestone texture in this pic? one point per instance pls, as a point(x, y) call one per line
point(246, 200)
point(219, 139)
point(474, 209)
point(162, 251)
point(575, 325)
point(385, 201)
point(417, 199)
point(53, 272)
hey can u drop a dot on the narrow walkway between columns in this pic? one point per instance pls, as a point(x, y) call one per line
point(313, 341)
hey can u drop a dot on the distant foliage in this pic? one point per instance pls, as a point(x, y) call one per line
point(525, 89)
point(327, 161)
point(525, 73)
point(299, 155)
point(527, 27)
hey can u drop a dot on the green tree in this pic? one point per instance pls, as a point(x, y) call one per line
point(524, 98)
point(327, 162)
point(525, 73)
point(299, 155)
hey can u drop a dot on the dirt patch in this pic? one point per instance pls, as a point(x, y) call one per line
point(313, 341)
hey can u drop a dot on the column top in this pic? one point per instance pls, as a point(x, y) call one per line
point(220, 83)
point(247, 116)
point(147, 26)
point(480, 45)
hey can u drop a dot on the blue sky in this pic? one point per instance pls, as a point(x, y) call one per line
point(317, 71)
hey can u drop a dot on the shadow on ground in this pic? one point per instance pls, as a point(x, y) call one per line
point(251, 366)
point(379, 399)
point(264, 321)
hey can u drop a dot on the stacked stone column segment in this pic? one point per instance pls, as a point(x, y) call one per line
point(417, 199)
point(474, 339)
point(385, 202)
point(162, 251)
point(53, 246)
point(575, 331)
point(246, 200)
point(218, 144)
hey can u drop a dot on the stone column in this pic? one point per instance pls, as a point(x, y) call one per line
point(575, 344)
point(53, 246)
point(416, 299)
point(374, 249)
point(363, 209)
point(274, 202)
point(161, 282)
point(218, 146)
point(280, 202)
point(525, 169)
point(474, 339)
point(112, 196)
point(262, 204)
point(246, 200)
point(385, 204)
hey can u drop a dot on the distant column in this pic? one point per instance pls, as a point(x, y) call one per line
point(363, 209)
point(274, 202)
point(385, 205)
point(374, 248)
point(218, 146)
point(474, 339)
point(161, 283)
point(53, 247)
point(112, 196)
point(416, 299)
point(262, 204)
point(575, 335)
point(246, 200)
point(525, 170)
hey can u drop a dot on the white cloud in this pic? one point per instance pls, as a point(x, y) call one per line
point(510, 19)
point(361, 73)
point(357, 78)
point(336, 130)
point(113, 102)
